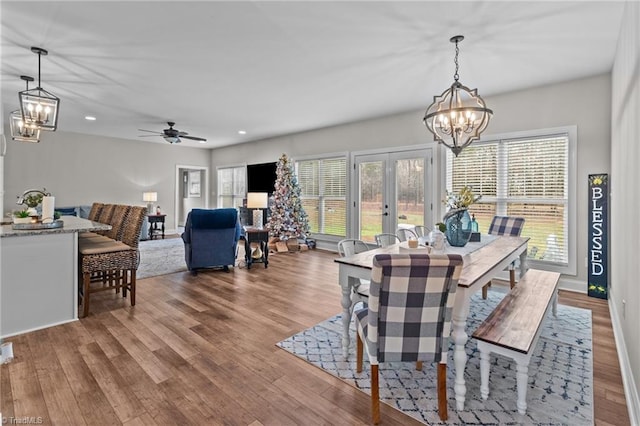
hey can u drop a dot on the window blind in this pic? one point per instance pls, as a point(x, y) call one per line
point(231, 186)
point(323, 186)
point(525, 177)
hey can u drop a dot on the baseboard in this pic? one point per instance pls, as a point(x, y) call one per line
point(53, 324)
point(572, 285)
point(327, 245)
point(630, 389)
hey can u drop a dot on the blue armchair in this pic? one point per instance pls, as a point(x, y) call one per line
point(211, 238)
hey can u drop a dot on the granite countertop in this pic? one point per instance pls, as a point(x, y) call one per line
point(71, 224)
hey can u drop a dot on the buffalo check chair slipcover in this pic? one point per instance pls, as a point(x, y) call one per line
point(408, 318)
point(505, 225)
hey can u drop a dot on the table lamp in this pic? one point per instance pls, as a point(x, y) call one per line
point(257, 201)
point(150, 198)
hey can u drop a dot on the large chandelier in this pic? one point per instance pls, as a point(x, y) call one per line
point(39, 107)
point(19, 131)
point(458, 116)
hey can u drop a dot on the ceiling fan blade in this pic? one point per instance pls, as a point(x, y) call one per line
point(146, 136)
point(195, 138)
point(171, 135)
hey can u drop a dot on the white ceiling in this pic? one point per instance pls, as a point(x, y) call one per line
point(274, 68)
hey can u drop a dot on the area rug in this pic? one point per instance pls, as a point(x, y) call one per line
point(160, 257)
point(560, 388)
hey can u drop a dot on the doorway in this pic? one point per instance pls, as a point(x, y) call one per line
point(391, 190)
point(192, 191)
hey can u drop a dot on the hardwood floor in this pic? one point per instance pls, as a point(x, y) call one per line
point(201, 350)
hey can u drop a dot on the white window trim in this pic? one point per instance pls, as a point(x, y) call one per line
point(572, 175)
point(230, 166)
point(328, 156)
point(436, 186)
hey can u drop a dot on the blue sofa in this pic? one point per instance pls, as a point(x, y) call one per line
point(79, 211)
point(211, 238)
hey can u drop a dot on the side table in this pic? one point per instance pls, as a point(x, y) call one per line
point(260, 236)
point(154, 220)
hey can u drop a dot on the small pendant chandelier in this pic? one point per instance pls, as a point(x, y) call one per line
point(459, 115)
point(39, 108)
point(19, 131)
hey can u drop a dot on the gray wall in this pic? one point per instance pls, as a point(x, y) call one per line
point(625, 205)
point(584, 103)
point(80, 169)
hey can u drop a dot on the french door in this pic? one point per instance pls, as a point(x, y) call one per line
point(391, 191)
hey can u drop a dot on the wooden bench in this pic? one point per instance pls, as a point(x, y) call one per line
point(514, 326)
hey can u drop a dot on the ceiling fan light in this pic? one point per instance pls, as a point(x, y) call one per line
point(172, 135)
point(172, 139)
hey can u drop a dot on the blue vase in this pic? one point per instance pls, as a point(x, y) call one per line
point(458, 224)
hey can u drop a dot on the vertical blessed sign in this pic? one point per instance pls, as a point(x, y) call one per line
point(598, 253)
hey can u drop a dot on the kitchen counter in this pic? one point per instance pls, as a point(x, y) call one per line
point(39, 275)
point(70, 224)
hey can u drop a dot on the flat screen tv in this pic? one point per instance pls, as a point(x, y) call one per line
point(261, 177)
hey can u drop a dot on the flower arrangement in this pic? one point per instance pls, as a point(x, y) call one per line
point(457, 221)
point(463, 199)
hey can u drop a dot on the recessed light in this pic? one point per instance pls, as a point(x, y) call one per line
point(242, 132)
point(89, 117)
point(203, 141)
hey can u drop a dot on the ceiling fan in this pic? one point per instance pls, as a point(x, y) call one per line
point(172, 135)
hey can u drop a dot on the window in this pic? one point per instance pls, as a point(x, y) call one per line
point(526, 176)
point(231, 186)
point(323, 187)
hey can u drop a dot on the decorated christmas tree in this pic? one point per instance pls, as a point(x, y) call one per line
point(288, 218)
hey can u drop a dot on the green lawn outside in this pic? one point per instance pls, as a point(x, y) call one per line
point(537, 227)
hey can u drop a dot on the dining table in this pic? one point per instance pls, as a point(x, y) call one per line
point(482, 261)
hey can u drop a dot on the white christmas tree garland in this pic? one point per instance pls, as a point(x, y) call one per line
point(288, 217)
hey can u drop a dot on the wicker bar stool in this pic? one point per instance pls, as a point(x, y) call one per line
point(105, 215)
point(117, 221)
point(94, 213)
point(113, 264)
